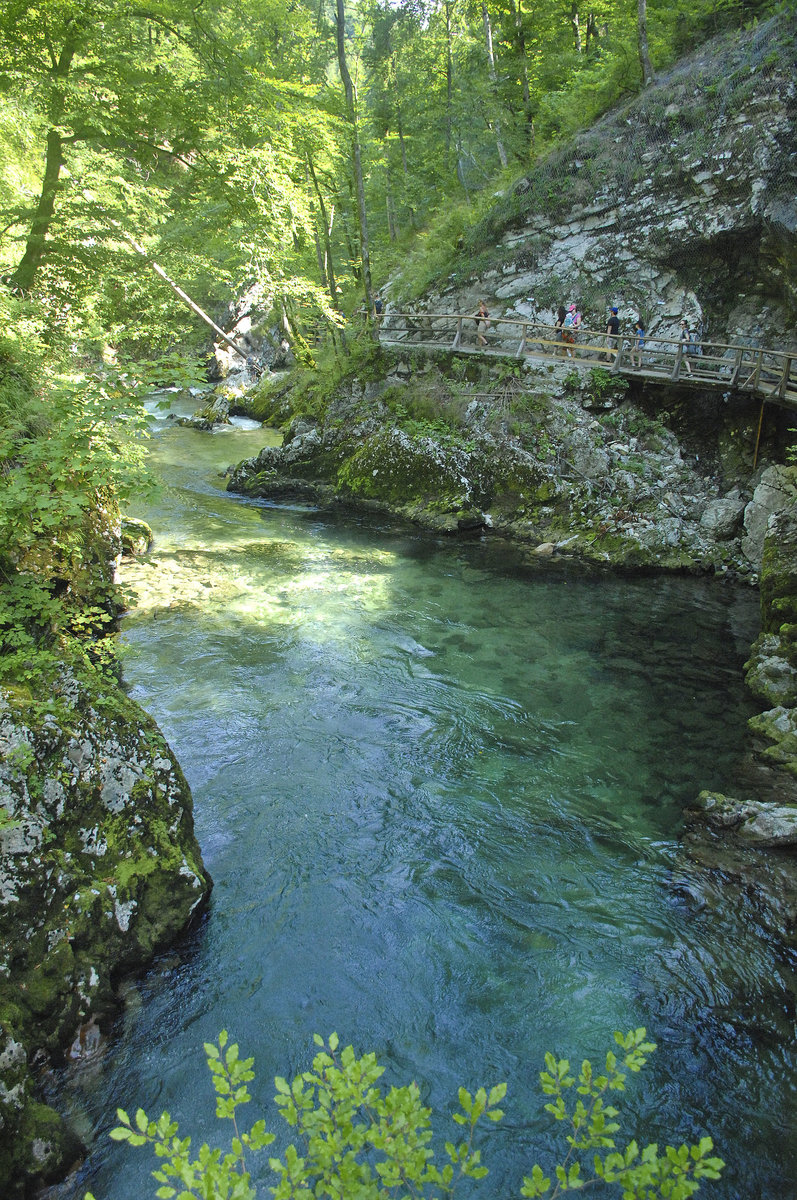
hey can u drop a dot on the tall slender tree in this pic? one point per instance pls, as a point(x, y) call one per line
point(642, 43)
point(356, 156)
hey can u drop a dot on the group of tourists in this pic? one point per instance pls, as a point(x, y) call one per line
point(567, 324)
point(569, 320)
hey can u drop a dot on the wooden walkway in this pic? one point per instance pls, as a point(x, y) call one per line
point(768, 374)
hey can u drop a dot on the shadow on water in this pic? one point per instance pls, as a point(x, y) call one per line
point(439, 790)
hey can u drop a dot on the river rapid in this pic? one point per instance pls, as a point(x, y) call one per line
point(439, 790)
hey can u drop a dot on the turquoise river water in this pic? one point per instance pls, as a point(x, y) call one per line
point(439, 789)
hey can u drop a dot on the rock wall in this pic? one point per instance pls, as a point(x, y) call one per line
point(748, 841)
point(578, 463)
point(99, 867)
point(681, 203)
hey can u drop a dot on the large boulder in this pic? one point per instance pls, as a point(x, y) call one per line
point(772, 667)
point(99, 867)
point(776, 493)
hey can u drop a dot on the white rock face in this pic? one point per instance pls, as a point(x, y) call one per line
point(776, 493)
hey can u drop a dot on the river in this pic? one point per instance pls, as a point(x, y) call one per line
point(439, 790)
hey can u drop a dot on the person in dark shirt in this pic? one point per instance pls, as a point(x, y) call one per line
point(612, 332)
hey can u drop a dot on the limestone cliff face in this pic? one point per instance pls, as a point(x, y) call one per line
point(683, 202)
point(99, 867)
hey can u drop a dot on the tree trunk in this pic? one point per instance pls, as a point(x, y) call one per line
point(403, 145)
point(642, 42)
point(328, 274)
point(391, 221)
point(520, 42)
point(24, 275)
point(351, 110)
point(592, 30)
point(449, 7)
point(186, 299)
point(574, 21)
point(488, 38)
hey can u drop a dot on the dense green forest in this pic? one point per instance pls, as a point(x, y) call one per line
point(303, 151)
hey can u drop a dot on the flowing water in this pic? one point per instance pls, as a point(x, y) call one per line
point(439, 790)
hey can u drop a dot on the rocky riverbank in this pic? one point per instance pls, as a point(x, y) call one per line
point(569, 463)
point(749, 839)
point(100, 868)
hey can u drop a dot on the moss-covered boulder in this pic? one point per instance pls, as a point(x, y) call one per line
point(99, 867)
point(772, 667)
point(501, 446)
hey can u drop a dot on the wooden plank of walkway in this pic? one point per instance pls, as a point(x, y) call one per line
point(770, 375)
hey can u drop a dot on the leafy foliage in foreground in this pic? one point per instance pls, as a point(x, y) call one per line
point(72, 440)
point(356, 1142)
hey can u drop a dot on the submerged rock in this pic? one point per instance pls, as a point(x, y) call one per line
point(750, 848)
point(99, 867)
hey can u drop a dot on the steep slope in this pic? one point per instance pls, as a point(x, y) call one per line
point(682, 202)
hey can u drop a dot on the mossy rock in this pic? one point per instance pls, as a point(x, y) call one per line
point(100, 868)
point(137, 536)
point(776, 730)
point(779, 574)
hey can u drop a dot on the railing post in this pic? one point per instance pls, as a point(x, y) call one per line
point(784, 378)
point(458, 335)
point(679, 353)
point(757, 372)
point(737, 367)
point(521, 348)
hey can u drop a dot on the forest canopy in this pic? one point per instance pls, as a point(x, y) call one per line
point(249, 145)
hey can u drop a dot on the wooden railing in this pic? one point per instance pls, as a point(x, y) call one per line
point(770, 374)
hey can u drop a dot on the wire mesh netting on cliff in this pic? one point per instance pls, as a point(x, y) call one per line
point(710, 128)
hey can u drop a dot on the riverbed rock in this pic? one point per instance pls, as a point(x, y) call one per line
point(99, 867)
point(772, 667)
point(749, 849)
point(137, 536)
point(750, 820)
point(215, 412)
point(776, 493)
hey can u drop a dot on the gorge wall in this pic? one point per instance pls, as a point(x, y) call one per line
point(679, 203)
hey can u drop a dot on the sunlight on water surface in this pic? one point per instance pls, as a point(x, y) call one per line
point(439, 791)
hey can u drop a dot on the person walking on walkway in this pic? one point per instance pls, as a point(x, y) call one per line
point(638, 343)
point(686, 338)
point(482, 324)
point(569, 329)
point(612, 331)
point(559, 325)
